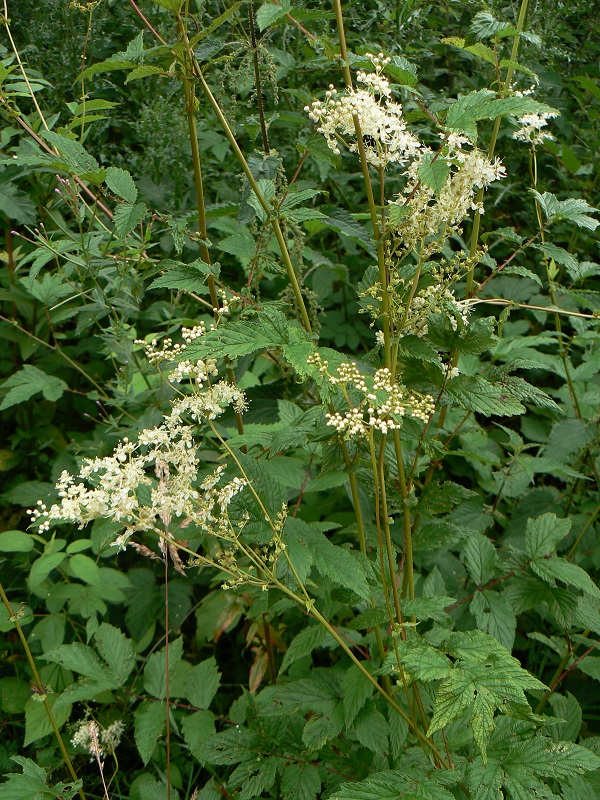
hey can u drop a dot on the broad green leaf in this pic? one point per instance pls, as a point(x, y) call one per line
point(428, 607)
point(330, 560)
point(202, 683)
point(394, 785)
point(197, 728)
point(43, 566)
point(474, 393)
point(572, 210)
point(28, 381)
point(300, 782)
point(120, 182)
point(495, 616)
point(480, 558)
point(84, 568)
point(356, 690)
point(80, 658)
point(37, 723)
point(372, 730)
point(544, 533)
point(155, 674)
point(16, 542)
point(17, 205)
point(558, 569)
point(423, 661)
point(149, 722)
point(128, 217)
point(303, 644)
point(523, 272)
point(117, 650)
point(270, 13)
point(433, 172)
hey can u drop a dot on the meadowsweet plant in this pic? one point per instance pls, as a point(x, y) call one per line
point(301, 374)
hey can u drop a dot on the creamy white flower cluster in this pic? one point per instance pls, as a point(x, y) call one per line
point(171, 450)
point(434, 299)
point(384, 134)
point(427, 214)
point(531, 128)
point(97, 741)
point(383, 403)
point(198, 370)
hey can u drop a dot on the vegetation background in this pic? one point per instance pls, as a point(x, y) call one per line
point(127, 675)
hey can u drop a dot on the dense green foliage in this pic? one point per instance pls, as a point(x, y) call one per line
point(336, 427)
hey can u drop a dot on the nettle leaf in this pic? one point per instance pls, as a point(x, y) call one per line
point(269, 13)
point(269, 329)
point(474, 393)
point(31, 783)
point(422, 660)
point(465, 112)
point(185, 277)
point(76, 156)
point(120, 182)
point(428, 607)
point(128, 217)
point(544, 533)
point(202, 682)
point(523, 272)
point(17, 205)
point(478, 49)
point(338, 219)
point(81, 659)
point(37, 723)
point(27, 382)
point(333, 562)
point(572, 210)
point(148, 724)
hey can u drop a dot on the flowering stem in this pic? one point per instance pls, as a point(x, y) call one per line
point(377, 231)
point(492, 146)
point(40, 689)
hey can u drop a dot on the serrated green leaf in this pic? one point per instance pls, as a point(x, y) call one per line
point(117, 650)
point(394, 785)
point(17, 205)
point(573, 210)
point(268, 14)
point(303, 644)
point(184, 277)
point(372, 730)
point(27, 382)
point(127, 217)
point(149, 722)
point(433, 172)
point(202, 682)
point(300, 782)
point(523, 272)
point(558, 569)
point(75, 154)
point(80, 658)
point(544, 533)
point(155, 675)
point(494, 616)
point(332, 562)
point(480, 558)
point(356, 690)
point(197, 728)
point(120, 182)
point(37, 723)
point(474, 393)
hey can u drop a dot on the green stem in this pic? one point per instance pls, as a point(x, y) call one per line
point(493, 140)
point(289, 267)
point(41, 690)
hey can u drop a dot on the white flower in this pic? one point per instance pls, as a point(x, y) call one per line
point(385, 136)
point(531, 127)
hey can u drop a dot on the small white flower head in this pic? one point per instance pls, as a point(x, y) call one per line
point(385, 138)
point(531, 128)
